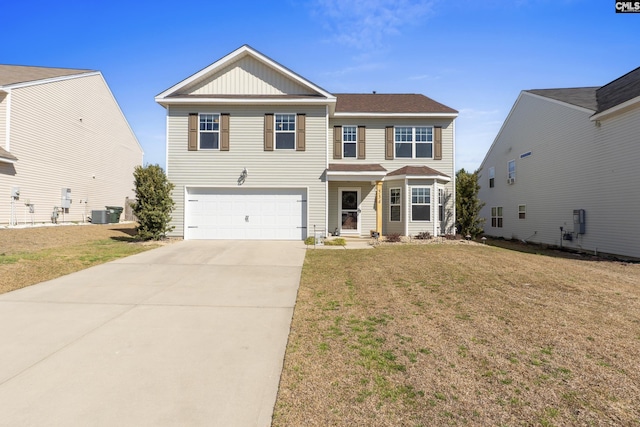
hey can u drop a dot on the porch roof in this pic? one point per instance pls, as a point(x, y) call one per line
point(417, 172)
point(355, 172)
point(7, 157)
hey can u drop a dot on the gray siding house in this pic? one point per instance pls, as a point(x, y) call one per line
point(64, 144)
point(258, 152)
point(563, 170)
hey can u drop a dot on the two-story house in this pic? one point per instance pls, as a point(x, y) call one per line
point(65, 145)
point(258, 152)
point(563, 170)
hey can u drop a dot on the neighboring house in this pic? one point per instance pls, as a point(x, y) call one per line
point(64, 143)
point(258, 152)
point(563, 170)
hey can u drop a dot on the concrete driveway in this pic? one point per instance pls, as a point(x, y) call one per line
point(190, 334)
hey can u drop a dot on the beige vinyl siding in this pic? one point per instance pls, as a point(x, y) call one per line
point(367, 205)
point(375, 140)
point(278, 168)
point(248, 76)
point(4, 99)
point(574, 164)
point(69, 134)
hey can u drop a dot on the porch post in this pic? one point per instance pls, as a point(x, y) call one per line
point(379, 207)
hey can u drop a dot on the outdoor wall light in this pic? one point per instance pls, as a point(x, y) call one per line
point(243, 176)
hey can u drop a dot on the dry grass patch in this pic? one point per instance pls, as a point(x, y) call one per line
point(33, 255)
point(462, 335)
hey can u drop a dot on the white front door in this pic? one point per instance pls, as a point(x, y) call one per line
point(349, 210)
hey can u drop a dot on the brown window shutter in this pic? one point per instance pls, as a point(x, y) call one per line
point(300, 132)
point(437, 143)
point(388, 142)
point(268, 132)
point(337, 142)
point(193, 132)
point(224, 132)
point(361, 142)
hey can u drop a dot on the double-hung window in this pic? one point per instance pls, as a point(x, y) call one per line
point(496, 216)
point(413, 142)
point(420, 204)
point(285, 131)
point(441, 204)
point(349, 141)
point(394, 204)
point(522, 211)
point(209, 131)
point(512, 170)
point(492, 176)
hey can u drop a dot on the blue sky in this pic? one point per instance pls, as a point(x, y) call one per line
point(472, 55)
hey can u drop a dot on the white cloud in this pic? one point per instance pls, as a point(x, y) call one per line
point(364, 24)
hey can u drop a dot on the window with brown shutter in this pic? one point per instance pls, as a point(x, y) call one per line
point(388, 143)
point(437, 143)
point(337, 142)
point(224, 132)
point(361, 142)
point(268, 132)
point(193, 132)
point(300, 132)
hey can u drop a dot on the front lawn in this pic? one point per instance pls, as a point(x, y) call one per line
point(461, 334)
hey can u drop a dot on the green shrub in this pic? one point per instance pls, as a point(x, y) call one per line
point(339, 241)
point(153, 205)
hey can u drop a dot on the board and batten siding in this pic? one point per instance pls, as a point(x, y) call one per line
point(69, 134)
point(574, 164)
point(266, 169)
point(248, 76)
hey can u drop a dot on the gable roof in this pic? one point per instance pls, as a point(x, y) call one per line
point(180, 92)
point(408, 103)
point(18, 74)
point(584, 97)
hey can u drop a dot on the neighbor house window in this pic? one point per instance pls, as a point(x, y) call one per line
point(285, 131)
point(394, 204)
point(522, 211)
point(349, 141)
point(421, 204)
point(492, 176)
point(209, 131)
point(496, 216)
point(413, 142)
point(512, 170)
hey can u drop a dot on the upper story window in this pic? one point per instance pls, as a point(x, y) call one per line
point(492, 176)
point(421, 204)
point(413, 142)
point(349, 141)
point(511, 167)
point(394, 204)
point(285, 131)
point(209, 132)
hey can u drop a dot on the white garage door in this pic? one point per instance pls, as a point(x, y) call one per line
point(250, 214)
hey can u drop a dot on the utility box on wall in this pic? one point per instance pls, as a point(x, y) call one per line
point(65, 198)
point(578, 221)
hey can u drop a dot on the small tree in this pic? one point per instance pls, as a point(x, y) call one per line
point(467, 203)
point(154, 204)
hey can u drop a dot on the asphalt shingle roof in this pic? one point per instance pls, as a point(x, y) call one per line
point(388, 103)
point(13, 74)
point(581, 96)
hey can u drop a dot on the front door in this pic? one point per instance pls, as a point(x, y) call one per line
point(349, 210)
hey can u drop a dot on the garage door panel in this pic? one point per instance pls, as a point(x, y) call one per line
point(273, 214)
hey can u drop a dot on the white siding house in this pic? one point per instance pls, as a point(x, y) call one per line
point(258, 152)
point(61, 129)
point(563, 169)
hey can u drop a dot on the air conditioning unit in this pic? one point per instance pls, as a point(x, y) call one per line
point(511, 180)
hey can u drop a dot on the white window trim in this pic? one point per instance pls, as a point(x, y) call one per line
point(514, 169)
point(399, 204)
point(359, 201)
point(430, 203)
point(354, 142)
point(492, 176)
point(413, 142)
point(276, 132)
point(206, 113)
point(497, 217)
point(524, 211)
